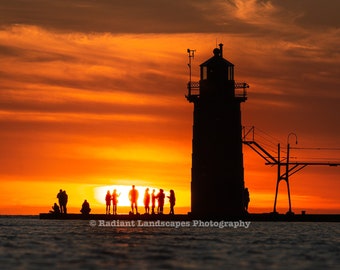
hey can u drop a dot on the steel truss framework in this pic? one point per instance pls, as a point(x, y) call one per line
point(285, 167)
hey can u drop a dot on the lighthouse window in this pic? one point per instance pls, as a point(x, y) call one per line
point(230, 73)
point(204, 73)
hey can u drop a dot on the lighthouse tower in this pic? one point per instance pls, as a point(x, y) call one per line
point(217, 178)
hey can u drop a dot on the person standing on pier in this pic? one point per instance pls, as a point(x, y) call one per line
point(147, 201)
point(114, 201)
point(153, 202)
point(160, 196)
point(63, 198)
point(133, 197)
point(172, 200)
point(246, 198)
point(108, 202)
point(60, 200)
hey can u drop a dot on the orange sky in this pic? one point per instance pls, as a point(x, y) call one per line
point(92, 95)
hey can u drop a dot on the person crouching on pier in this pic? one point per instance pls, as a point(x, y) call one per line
point(55, 209)
point(85, 208)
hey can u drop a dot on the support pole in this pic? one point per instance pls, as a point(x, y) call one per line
point(287, 180)
point(278, 176)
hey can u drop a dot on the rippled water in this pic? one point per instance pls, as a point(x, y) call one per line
point(30, 243)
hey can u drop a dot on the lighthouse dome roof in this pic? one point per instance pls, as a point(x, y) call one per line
point(217, 58)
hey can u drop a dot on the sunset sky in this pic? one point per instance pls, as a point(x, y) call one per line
point(92, 96)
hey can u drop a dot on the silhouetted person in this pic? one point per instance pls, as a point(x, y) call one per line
point(55, 209)
point(153, 202)
point(160, 196)
point(65, 198)
point(85, 208)
point(62, 198)
point(147, 201)
point(114, 201)
point(172, 200)
point(246, 198)
point(133, 197)
point(108, 202)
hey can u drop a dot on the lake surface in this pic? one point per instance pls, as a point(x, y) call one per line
point(31, 243)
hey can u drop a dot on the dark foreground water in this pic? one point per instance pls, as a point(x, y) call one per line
point(30, 243)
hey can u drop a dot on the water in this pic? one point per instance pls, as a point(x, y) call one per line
point(30, 243)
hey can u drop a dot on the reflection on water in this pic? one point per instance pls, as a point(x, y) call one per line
point(30, 243)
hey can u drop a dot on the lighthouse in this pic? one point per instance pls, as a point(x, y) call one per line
point(217, 173)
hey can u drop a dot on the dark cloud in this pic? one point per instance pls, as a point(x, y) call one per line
point(83, 107)
point(119, 16)
point(313, 13)
point(10, 51)
point(261, 17)
point(33, 55)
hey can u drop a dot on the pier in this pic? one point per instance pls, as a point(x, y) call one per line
point(262, 217)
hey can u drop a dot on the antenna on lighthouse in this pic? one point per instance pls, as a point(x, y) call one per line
point(191, 54)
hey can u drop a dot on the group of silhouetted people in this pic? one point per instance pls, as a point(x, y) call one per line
point(133, 197)
point(160, 196)
point(62, 199)
point(114, 198)
point(61, 208)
